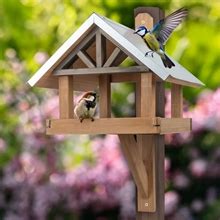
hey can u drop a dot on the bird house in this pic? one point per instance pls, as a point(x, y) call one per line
point(91, 59)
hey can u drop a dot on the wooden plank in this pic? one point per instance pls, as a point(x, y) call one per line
point(85, 82)
point(146, 146)
point(175, 125)
point(90, 82)
point(146, 107)
point(66, 96)
point(112, 57)
point(87, 40)
point(150, 209)
point(100, 49)
point(136, 166)
point(176, 101)
point(104, 96)
point(101, 70)
point(86, 59)
point(125, 77)
point(103, 126)
point(125, 50)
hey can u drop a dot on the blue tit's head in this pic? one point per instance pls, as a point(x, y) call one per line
point(141, 30)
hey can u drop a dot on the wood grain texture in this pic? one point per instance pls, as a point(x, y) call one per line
point(176, 101)
point(112, 57)
point(135, 163)
point(66, 96)
point(100, 49)
point(103, 126)
point(138, 125)
point(146, 107)
point(86, 59)
point(101, 70)
point(149, 145)
point(104, 96)
point(175, 125)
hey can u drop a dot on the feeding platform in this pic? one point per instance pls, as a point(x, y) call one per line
point(91, 59)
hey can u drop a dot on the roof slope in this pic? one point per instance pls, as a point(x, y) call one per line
point(123, 37)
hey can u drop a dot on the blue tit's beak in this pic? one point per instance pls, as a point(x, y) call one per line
point(135, 32)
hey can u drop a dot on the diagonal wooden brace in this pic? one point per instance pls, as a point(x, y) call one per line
point(130, 150)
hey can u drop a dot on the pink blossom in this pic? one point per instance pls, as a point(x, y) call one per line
point(41, 57)
point(171, 202)
point(2, 145)
point(198, 167)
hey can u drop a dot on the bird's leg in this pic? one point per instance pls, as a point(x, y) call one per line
point(152, 52)
point(81, 120)
point(92, 119)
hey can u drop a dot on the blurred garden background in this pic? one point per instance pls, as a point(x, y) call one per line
point(86, 177)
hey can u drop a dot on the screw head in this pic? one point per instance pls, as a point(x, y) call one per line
point(146, 204)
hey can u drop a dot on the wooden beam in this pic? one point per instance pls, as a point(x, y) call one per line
point(125, 77)
point(149, 145)
point(176, 101)
point(105, 96)
point(136, 165)
point(65, 62)
point(146, 107)
point(100, 49)
point(101, 70)
point(112, 57)
point(146, 95)
point(66, 96)
point(108, 36)
point(86, 59)
point(139, 125)
point(174, 125)
point(103, 126)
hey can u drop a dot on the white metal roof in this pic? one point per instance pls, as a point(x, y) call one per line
point(132, 44)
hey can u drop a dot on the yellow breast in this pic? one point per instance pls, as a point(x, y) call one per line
point(152, 42)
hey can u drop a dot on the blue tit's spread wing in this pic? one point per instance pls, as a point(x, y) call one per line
point(165, 27)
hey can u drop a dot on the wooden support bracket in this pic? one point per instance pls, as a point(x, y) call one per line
point(135, 163)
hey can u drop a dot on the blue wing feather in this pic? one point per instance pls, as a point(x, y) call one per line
point(163, 29)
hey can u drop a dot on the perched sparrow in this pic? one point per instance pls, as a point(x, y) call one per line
point(86, 106)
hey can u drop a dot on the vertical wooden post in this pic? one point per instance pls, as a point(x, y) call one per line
point(151, 146)
point(146, 107)
point(176, 101)
point(66, 96)
point(104, 96)
point(104, 80)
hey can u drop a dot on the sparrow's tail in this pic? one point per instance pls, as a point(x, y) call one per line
point(167, 61)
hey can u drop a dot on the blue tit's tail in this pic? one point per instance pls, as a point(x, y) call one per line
point(167, 62)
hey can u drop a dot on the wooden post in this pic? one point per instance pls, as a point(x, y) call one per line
point(66, 96)
point(176, 101)
point(151, 146)
point(146, 107)
point(104, 96)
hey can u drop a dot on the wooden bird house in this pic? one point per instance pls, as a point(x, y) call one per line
point(91, 58)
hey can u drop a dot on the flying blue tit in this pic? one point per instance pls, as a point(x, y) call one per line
point(157, 37)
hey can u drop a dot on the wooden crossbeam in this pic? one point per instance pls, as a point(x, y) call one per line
point(86, 59)
point(101, 70)
point(80, 46)
point(112, 57)
point(139, 125)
